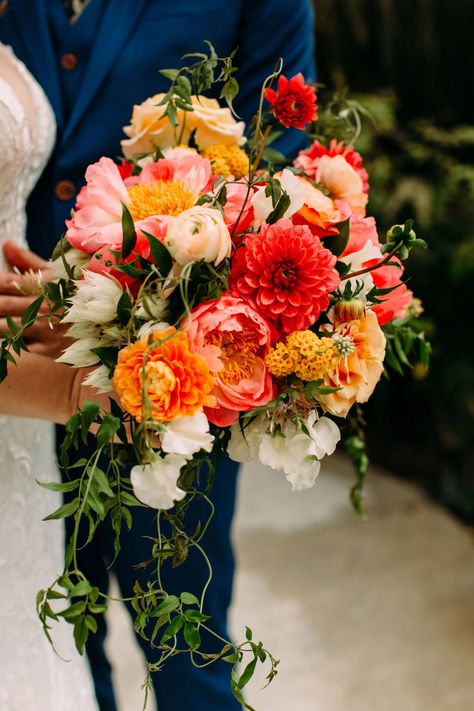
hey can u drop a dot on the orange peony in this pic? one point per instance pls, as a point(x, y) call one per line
point(160, 378)
point(358, 373)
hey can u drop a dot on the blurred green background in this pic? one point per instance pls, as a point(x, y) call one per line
point(411, 63)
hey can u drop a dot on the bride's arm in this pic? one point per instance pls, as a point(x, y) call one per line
point(39, 387)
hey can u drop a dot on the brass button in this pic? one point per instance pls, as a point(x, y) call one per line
point(69, 61)
point(65, 190)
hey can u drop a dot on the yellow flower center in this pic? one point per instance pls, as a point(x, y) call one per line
point(227, 160)
point(238, 354)
point(304, 354)
point(161, 197)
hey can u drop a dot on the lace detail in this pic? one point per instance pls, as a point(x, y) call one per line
point(31, 551)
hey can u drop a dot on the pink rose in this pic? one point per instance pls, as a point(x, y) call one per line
point(308, 159)
point(233, 339)
point(361, 231)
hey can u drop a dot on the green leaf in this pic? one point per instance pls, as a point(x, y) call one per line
point(173, 628)
point(108, 428)
point(189, 599)
point(81, 633)
point(91, 623)
point(83, 587)
point(30, 314)
point(124, 309)
point(76, 609)
point(271, 155)
point(171, 74)
point(248, 673)
point(165, 607)
point(191, 635)
point(56, 486)
point(64, 511)
point(281, 207)
point(337, 243)
point(160, 254)
point(128, 232)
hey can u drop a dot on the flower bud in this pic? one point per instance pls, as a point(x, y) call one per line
point(348, 310)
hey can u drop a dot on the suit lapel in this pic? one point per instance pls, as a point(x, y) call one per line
point(118, 21)
point(30, 21)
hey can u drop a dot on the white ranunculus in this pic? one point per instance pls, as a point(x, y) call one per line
point(198, 233)
point(262, 204)
point(95, 300)
point(150, 326)
point(187, 435)
point(155, 484)
point(244, 447)
point(99, 379)
point(76, 260)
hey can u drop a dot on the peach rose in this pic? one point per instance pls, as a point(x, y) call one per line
point(358, 373)
point(214, 124)
point(198, 233)
point(149, 128)
point(233, 339)
point(343, 182)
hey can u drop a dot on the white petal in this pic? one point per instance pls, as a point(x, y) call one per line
point(156, 484)
point(187, 436)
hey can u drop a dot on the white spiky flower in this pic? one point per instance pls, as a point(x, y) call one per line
point(95, 300)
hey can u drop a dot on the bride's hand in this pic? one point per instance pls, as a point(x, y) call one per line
point(18, 291)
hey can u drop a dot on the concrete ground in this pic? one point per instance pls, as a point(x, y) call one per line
point(365, 616)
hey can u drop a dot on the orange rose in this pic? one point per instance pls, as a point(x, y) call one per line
point(161, 379)
point(356, 374)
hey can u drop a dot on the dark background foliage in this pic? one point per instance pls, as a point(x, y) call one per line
point(411, 63)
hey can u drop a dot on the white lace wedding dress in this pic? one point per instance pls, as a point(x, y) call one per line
point(32, 677)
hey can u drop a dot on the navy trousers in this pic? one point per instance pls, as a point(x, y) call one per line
point(179, 686)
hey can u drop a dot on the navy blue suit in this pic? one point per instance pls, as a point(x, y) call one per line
point(93, 72)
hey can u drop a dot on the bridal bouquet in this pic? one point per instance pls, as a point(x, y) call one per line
point(231, 303)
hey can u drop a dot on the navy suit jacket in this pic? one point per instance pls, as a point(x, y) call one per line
point(119, 53)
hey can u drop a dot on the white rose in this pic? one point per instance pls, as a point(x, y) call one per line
point(291, 184)
point(198, 233)
point(155, 484)
point(187, 435)
point(95, 300)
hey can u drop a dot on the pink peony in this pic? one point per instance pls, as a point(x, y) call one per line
point(162, 190)
point(238, 208)
point(343, 182)
point(233, 339)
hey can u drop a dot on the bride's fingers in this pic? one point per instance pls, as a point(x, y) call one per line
point(23, 259)
point(17, 305)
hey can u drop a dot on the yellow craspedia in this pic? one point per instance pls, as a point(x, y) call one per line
point(227, 160)
point(161, 197)
point(304, 354)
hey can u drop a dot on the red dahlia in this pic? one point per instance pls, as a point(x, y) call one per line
point(294, 102)
point(286, 273)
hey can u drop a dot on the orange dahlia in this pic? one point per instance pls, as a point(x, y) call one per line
point(160, 378)
point(294, 102)
point(287, 275)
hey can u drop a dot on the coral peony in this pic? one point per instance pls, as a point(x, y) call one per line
point(233, 339)
point(294, 102)
point(358, 373)
point(343, 183)
point(286, 274)
point(361, 231)
point(396, 302)
point(161, 378)
point(308, 159)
